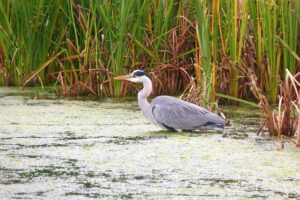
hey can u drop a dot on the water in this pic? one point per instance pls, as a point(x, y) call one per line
point(55, 148)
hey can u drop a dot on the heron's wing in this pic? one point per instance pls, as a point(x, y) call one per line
point(177, 114)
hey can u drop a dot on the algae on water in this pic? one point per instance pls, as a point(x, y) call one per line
point(62, 148)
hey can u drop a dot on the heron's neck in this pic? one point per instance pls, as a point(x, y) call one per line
point(144, 93)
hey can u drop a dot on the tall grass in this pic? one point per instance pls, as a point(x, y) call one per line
point(28, 35)
point(289, 22)
point(276, 37)
point(78, 45)
point(203, 63)
point(269, 13)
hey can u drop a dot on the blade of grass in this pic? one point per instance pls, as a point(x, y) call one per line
point(42, 67)
point(250, 103)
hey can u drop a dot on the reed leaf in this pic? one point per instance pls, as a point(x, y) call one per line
point(204, 43)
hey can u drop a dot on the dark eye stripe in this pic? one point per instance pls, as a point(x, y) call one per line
point(141, 73)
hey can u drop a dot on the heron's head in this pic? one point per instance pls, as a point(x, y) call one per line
point(137, 76)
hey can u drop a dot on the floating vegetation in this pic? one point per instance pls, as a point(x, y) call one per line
point(100, 155)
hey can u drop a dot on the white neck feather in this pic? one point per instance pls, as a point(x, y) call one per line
point(143, 94)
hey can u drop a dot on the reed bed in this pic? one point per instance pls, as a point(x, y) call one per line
point(78, 46)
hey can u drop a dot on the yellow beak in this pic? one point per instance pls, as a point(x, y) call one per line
point(124, 77)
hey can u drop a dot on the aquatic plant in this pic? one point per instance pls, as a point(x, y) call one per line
point(78, 46)
point(289, 118)
point(283, 121)
point(29, 35)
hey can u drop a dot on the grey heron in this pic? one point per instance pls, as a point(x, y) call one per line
point(169, 112)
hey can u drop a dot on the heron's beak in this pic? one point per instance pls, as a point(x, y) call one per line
point(124, 77)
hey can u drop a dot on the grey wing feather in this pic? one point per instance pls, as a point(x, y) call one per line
point(175, 114)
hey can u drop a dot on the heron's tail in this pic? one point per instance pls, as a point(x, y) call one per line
point(215, 121)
